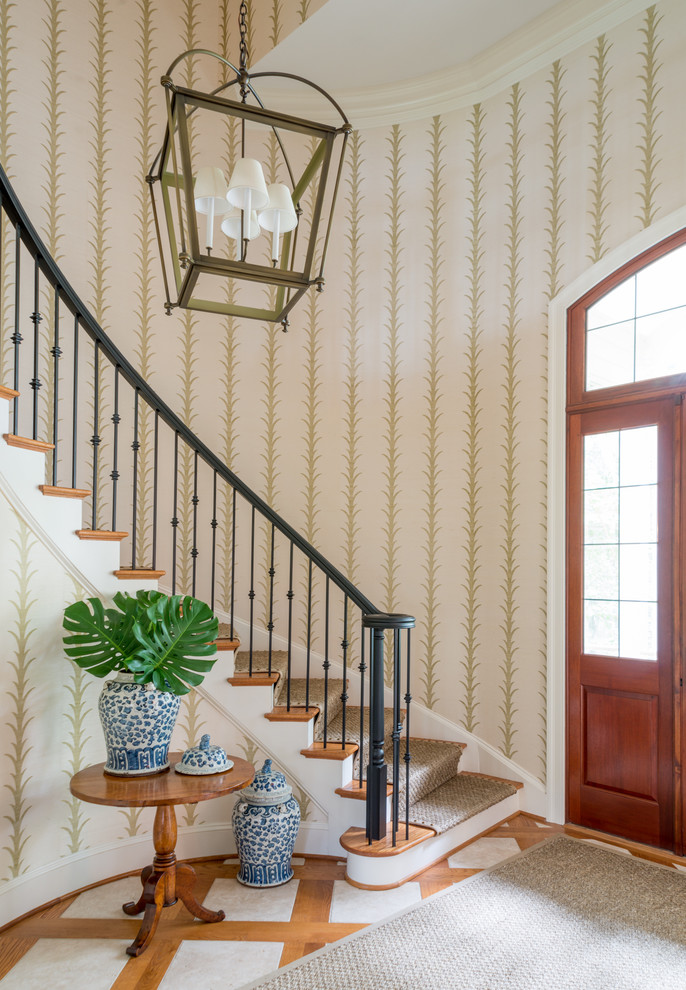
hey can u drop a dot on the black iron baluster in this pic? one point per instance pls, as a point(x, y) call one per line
point(251, 593)
point(233, 559)
point(114, 473)
point(16, 337)
point(362, 669)
point(75, 404)
point(326, 663)
point(397, 728)
point(408, 699)
point(36, 319)
point(175, 516)
point(309, 634)
point(344, 647)
point(56, 354)
point(95, 439)
point(195, 500)
point(135, 447)
point(270, 624)
point(154, 491)
point(290, 597)
point(213, 524)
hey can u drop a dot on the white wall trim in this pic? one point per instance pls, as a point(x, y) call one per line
point(557, 442)
point(95, 865)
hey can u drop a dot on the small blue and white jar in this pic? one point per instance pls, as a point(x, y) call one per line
point(266, 819)
point(138, 721)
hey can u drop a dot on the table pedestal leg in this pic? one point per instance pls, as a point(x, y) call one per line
point(159, 880)
point(163, 882)
point(185, 881)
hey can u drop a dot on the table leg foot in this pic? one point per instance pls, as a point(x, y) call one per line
point(135, 907)
point(153, 896)
point(185, 881)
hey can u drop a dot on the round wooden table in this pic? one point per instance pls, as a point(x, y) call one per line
point(166, 880)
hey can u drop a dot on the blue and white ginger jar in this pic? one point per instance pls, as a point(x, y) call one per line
point(138, 721)
point(266, 819)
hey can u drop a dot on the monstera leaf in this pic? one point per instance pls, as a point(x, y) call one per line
point(160, 639)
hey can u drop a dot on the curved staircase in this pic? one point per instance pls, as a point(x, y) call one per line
point(346, 733)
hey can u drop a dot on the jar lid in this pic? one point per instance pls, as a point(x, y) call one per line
point(204, 759)
point(268, 787)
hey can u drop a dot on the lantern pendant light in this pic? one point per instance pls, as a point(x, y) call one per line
point(267, 275)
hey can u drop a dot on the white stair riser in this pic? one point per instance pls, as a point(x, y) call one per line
point(379, 872)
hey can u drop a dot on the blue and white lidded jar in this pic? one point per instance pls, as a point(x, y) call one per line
point(138, 721)
point(265, 820)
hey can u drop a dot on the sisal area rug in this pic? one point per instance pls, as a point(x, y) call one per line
point(565, 915)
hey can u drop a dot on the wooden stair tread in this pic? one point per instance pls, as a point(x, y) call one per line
point(28, 443)
point(227, 644)
point(101, 534)
point(7, 393)
point(55, 490)
point(259, 679)
point(297, 713)
point(354, 840)
point(359, 792)
point(138, 573)
point(517, 784)
point(332, 751)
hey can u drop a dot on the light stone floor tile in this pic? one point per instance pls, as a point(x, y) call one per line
point(483, 853)
point(241, 903)
point(105, 901)
point(220, 965)
point(351, 904)
point(297, 861)
point(678, 866)
point(68, 964)
point(608, 846)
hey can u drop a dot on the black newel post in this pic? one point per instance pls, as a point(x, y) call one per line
point(376, 770)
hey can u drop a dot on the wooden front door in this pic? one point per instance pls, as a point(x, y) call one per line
point(626, 531)
point(621, 615)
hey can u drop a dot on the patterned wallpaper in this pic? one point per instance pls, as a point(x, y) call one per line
point(402, 422)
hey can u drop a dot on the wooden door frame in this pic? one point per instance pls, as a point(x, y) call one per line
point(556, 497)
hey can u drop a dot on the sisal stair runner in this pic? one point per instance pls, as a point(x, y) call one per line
point(440, 795)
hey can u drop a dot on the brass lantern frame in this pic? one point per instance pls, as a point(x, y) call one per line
point(170, 178)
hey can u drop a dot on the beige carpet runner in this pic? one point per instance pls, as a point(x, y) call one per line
point(565, 915)
point(440, 796)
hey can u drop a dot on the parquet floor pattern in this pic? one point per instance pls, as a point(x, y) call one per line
point(310, 926)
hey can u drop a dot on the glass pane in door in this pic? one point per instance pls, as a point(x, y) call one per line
point(620, 543)
point(637, 331)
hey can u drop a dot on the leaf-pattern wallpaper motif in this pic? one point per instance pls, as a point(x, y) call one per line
point(553, 275)
point(7, 112)
point(600, 174)
point(435, 283)
point(22, 632)
point(648, 101)
point(145, 265)
point(390, 533)
point(471, 488)
point(351, 474)
point(510, 545)
point(536, 189)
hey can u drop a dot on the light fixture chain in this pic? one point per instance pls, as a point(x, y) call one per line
point(243, 27)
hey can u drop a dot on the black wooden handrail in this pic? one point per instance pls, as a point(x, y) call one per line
point(42, 257)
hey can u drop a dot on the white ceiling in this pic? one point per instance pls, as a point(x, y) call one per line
point(394, 60)
point(355, 44)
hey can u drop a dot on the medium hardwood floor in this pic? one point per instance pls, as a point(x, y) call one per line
point(80, 941)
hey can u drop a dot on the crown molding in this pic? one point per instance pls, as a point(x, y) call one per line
point(561, 30)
